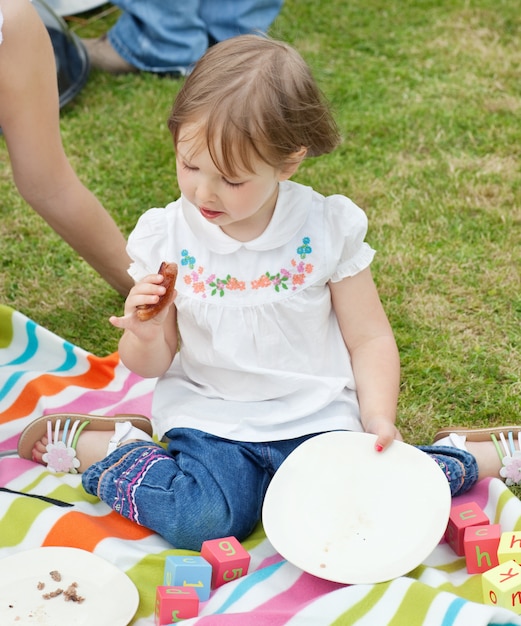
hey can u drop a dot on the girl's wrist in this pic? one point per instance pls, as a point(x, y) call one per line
point(369, 422)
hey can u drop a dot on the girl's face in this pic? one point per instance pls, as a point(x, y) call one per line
point(241, 206)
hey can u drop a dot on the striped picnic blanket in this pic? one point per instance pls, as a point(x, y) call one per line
point(41, 373)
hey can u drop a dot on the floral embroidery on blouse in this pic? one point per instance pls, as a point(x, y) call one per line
point(286, 278)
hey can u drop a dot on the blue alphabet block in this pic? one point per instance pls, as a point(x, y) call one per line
point(189, 571)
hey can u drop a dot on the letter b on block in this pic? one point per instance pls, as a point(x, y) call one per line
point(502, 586)
point(229, 560)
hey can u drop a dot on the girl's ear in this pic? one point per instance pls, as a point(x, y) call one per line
point(292, 163)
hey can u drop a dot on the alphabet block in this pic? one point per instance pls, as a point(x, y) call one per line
point(510, 547)
point(188, 571)
point(481, 544)
point(229, 560)
point(174, 604)
point(502, 586)
point(461, 517)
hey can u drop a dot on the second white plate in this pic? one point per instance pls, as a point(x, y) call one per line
point(110, 597)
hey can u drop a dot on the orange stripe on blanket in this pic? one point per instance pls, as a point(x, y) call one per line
point(99, 375)
point(79, 530)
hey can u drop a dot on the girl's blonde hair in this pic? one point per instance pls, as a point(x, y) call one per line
point(252, 97)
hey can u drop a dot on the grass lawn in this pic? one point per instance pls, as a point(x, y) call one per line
point(428, 97)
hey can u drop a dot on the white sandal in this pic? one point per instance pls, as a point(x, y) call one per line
point(61, 449)
point(505, 447)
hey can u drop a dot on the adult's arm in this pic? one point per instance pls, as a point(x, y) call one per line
point(29, 117)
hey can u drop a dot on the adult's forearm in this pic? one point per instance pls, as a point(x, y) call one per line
point(92, 232)
point(79, 218)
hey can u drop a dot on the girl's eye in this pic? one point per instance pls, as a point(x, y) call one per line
point(190, 169)
point(230, 184)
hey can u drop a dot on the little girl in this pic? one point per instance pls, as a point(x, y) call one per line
point(275, 332)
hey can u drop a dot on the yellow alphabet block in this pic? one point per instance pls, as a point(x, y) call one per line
point(502, 586)
point(509, 548)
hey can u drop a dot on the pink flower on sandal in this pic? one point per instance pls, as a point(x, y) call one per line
point(511, 469)
point(61, 458)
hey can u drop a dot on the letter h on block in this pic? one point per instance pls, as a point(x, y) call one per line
point(481, 546)
point(461, 517)
point(502, 586)
point(229, 560)
point(509, 547)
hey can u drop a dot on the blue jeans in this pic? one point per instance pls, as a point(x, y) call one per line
point(169, 36)
point(204, 487)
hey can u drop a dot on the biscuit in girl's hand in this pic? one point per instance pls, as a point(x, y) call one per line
point(146, 312)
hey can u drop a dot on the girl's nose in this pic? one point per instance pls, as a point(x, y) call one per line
point(205, 192)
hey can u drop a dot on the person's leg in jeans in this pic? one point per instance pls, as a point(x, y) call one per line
point(229, 18)
point(459, 466)
point(160, 35)
point(169, 36)
point(203, 488)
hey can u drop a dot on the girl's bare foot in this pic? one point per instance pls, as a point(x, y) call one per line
point(487, 458)
point(91, 447)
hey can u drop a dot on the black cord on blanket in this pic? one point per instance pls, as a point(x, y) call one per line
point(33, 495)
point(8, 453)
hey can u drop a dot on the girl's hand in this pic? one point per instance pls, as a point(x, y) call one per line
point(146, 291)
point(385, 431)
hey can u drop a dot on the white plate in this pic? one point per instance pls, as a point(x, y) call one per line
point(341, 511)
point(111, 598)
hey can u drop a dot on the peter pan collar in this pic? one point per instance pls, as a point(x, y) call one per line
point(291, 211)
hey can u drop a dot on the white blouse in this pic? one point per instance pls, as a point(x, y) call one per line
point(262, 356)
point(1, 23)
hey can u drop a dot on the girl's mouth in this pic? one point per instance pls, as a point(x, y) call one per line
point(208, 214)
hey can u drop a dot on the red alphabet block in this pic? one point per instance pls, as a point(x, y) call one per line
point(461, 517)
point(229, 560)
point(480, 544)
point(175, 603)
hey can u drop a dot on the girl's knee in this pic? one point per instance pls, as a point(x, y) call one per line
point(190, 534)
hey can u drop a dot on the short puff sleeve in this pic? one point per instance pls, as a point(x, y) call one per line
point(347, 226)
point(148, 244)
